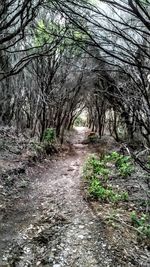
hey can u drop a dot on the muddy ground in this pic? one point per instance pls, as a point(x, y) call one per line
point(46, 220)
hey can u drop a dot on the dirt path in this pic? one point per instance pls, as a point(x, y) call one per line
point(56, 187)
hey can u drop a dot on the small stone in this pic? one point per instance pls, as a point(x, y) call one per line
point(81, 226)
point(81, 236)
point(50, 260)
point(53, 249)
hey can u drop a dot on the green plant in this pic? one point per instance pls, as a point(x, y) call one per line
point(125, 196)
point(97, 190)
point(123, 163)
point(141, 223)
point(97, 167)
point(49, 135)
point(112, 156)
point(97, 173)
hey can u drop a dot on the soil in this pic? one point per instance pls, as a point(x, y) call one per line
point(46, 220)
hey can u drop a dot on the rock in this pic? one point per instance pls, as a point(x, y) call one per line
point(81, 226)
point(81, 236)
point(50, 259)
point(2, 207)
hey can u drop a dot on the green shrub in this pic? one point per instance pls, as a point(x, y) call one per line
point(97, 190)
point(125, 196)
point(112, 156)
point(97, 173)
point(49, 135)
point(99, 166)
point(123, 163)
point(141, 223)
point(96, 166)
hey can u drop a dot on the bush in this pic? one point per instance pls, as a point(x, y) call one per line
point(95, 166)
point(97, 190)
point(123, 163)
point(49, 135)
point(97, 173)
point(99, 165)
point(141, 223)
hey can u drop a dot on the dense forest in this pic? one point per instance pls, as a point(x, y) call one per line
point(58, 57)
point(61, 61)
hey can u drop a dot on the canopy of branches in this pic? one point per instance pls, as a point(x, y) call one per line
point(60, 57)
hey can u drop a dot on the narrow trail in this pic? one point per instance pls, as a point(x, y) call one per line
point(58, 187)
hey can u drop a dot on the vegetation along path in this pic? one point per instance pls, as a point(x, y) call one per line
point(65, 64)
point(68, 234)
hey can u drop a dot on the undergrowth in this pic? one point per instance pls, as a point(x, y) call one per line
point(141, 223)
point(97, 173)
point(97, 190)
point(48, 144)
point(49, 135)
point(123, 163)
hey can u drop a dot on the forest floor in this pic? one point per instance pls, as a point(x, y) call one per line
point(46, 220)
